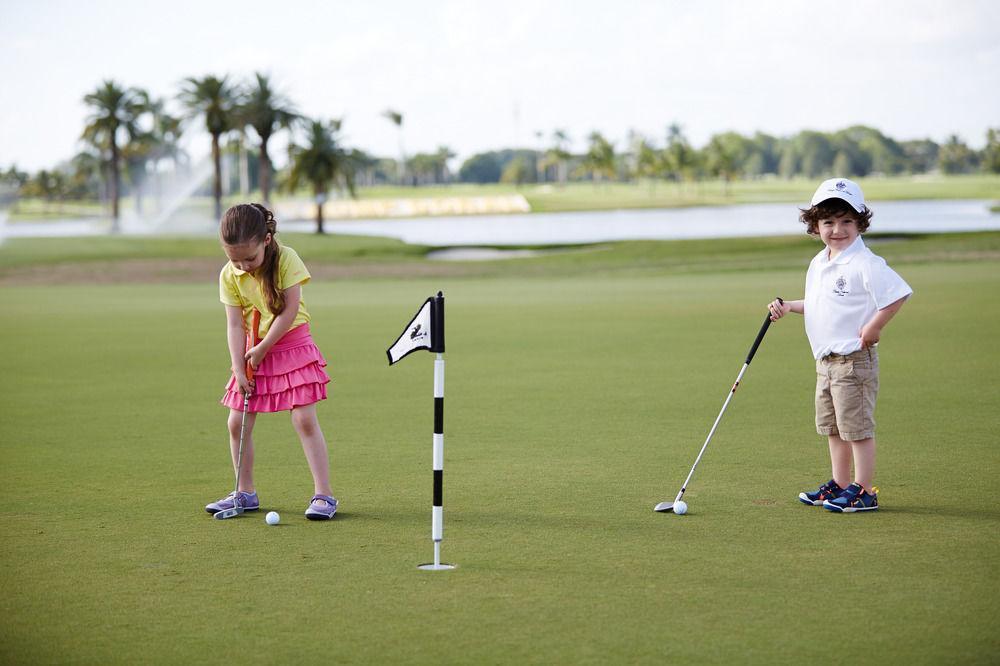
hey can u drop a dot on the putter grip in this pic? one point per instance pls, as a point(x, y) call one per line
point(760, 335)
point(253, 337)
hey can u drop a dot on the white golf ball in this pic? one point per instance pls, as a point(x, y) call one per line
point(272, 518)
point(680, 508)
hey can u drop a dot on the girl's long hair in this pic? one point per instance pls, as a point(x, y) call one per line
point(251, 223)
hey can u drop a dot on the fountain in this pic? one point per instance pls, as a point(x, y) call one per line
point(170, 218)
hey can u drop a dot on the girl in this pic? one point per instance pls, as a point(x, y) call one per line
point(288, 367)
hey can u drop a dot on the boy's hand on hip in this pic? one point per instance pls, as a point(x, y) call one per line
point(870, 335)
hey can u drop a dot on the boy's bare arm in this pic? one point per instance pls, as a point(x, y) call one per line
point(872, 331)
point(780, 308)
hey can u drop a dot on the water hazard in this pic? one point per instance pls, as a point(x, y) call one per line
point(587, 227)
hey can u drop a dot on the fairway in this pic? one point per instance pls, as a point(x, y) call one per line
point(574, 404)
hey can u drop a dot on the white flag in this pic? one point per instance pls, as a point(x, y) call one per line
point(416, 336)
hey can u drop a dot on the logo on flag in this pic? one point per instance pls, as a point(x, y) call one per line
point(425, 331)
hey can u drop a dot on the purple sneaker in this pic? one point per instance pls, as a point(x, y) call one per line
point(248, 501)
point(322, 507)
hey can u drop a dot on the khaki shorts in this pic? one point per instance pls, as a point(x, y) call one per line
point(846, 388)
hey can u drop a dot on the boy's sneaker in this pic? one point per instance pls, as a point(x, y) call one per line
point(248, 501)
point(322, 507)
point(828, 491)
point(855, 498)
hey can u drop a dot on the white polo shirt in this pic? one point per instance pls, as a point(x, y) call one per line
point(844, 294)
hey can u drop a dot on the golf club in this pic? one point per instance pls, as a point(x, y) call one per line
point(252, 339)
point(667, 507)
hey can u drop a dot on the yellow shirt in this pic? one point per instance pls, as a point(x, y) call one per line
point(242, 289)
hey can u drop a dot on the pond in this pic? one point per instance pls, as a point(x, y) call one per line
point(659, 224)
point(595, 226)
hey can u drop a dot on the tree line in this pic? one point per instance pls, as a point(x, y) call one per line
point(855, 151)
point(132, 138)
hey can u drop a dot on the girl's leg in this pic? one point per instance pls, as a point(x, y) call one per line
point(864, 462)
point(840, 460)
point(314, 446)
point(235, 423)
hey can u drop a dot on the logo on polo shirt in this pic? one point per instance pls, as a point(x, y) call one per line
point(840, 286)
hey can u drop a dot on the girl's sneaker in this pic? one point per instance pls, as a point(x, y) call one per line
point(828, 491)
point(322, 507)
point(855, 498)
point(248, 501)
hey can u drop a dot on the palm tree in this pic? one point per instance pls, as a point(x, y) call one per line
point(600, 157)
point(163, 138)
point(214, 98)
point(677, 156)
point(137, 155)
point(114, 111)
point(86, 175)
point(322, 162)
point(396, 118)
point(645, 159)
point(442, 156)
point(267, 111)
point(991, 153)
point(558, 154)
point(725, 155)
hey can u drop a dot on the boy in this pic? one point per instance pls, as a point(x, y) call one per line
point(851, 294)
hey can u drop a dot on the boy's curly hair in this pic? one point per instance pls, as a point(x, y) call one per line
point(829, 209)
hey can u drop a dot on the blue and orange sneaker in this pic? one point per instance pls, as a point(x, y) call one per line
point(828, 491)
point(855, 498)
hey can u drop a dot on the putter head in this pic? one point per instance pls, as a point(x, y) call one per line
point(662, 507)
point(229, 513)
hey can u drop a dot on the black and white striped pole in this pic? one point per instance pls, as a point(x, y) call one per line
point(437, 506)
point(426, 331)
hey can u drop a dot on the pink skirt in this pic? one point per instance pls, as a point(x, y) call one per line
point(291, 375)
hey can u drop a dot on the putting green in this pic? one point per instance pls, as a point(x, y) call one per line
point(572, 406)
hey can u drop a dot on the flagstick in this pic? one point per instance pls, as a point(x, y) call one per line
point(437, 509)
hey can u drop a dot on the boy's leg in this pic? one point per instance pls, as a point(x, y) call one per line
point(235, 422)
point(840, 460)
point(314, 446)
point(864, 462)
point(855, 393)
point(826, 424)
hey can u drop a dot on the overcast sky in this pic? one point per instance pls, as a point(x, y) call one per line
point(477, 75)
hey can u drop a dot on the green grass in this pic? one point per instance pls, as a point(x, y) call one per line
point(581, 196)
point(389, 257)
point(576, 399)
point(22, 252)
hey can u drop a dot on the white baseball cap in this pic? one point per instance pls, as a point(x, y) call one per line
point(840, 188)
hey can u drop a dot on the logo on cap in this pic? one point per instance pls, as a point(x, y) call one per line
point(841, 186)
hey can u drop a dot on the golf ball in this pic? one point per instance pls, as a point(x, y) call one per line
point(272, 518)
point(680, 508)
